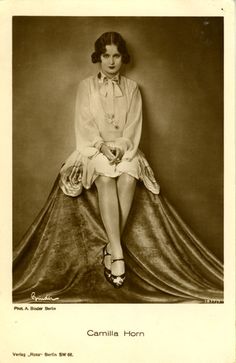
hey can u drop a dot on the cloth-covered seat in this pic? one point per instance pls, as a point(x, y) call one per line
point(59, 259)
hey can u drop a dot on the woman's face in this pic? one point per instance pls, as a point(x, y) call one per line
point(111, 61)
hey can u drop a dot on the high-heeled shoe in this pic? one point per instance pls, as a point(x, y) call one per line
point(117, 280)
point(107, 271)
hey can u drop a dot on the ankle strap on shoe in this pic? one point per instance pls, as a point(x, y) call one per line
point(117, 259)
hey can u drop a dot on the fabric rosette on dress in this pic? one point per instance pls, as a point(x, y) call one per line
point(71, 180)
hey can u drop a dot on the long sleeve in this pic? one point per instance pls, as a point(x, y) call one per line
point(86, 130)
point(130, 139)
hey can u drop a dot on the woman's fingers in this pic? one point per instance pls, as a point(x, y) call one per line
point(113, 154)
point(108, 153)
point(118, 155)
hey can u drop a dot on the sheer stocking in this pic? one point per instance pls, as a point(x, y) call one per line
point(125, 187)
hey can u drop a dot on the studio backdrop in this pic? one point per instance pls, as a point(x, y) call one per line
point(178, 64)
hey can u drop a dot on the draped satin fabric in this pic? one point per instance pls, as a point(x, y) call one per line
point(61, 255)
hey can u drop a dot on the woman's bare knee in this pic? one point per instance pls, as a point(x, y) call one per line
point(127, 179)
point(104, 181)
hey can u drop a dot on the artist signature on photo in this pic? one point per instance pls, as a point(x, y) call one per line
point(42, 298)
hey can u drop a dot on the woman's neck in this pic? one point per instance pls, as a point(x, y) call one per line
point(110, 76)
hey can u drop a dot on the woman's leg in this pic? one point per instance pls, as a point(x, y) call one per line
point(109, 209)
point(125, 187)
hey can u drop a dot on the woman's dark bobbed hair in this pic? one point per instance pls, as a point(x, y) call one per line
point(110, 38)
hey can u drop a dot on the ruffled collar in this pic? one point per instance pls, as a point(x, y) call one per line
point(103, 78)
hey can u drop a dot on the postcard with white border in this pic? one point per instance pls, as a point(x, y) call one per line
point(118, 181)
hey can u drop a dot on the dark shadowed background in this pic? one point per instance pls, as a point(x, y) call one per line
point(178, 63)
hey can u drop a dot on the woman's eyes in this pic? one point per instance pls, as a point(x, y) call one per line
point(108, 56)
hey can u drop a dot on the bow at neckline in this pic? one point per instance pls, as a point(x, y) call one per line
point(110, 86)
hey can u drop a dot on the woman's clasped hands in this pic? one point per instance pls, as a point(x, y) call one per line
point(113, 154)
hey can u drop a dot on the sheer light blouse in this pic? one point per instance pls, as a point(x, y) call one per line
point(91, 126)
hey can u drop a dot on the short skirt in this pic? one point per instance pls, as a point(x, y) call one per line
point(80, 172)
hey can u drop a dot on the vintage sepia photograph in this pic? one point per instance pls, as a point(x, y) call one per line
point(117, 189)
point(118, 159)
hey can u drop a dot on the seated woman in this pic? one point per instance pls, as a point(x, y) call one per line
point(59, 254)
point(108, 132)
